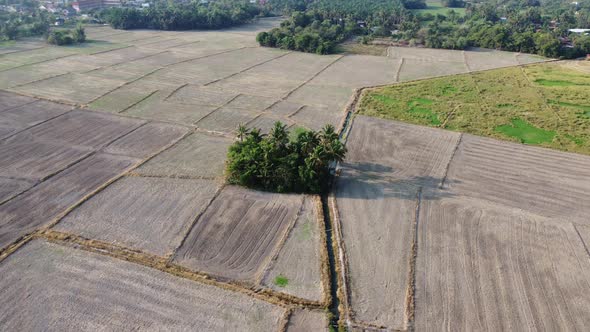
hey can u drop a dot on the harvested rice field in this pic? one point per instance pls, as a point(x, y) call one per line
point(513, 213)
point(239, 232)
point(545, 105)
point(114, 213)
point(64, 288)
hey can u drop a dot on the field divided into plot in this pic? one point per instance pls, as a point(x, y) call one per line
point(544, 105)
point(98, 292)
point(502, 244)
point(58, 175)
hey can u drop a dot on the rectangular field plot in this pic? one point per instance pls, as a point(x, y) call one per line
point(72, 289)
point(51, 68)
point(205, 70)
point(122, 72)
point(200, 95)
point(296, 269)
point(117, 56)
point(14, 47)
point(483, 59)
point(123, 98)
point(414, 69)
point(481, 267)
point(541, 181)
point(266, 122)
point(259, 85)
point(38, 206)
point(12, 187)
point(146, 140)
point(398, 151)
point(376, 217)
point(294, 66)
point(238, 233)
point(33, 56)
point(355, 71)
point(149, 214)
point(81, 128)
point(156, 107)
point(316, 117)
point(36, 160)
point(76, 88)
point(10, 100)
point(426, 54)
point(303, 320)
point(332, 96)
point(226, 119)
point(28, 115)
point(198, 155)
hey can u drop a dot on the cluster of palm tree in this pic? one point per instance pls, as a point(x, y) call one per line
point(282, 162)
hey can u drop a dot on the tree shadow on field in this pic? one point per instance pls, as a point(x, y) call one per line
point(371, 181)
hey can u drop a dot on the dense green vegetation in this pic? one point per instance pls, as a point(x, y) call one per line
point(276, 162)
point(528, 26)
point(164, 15)
point(67, 36)
point(27, 21)
point(308, 32)
point(545, 104)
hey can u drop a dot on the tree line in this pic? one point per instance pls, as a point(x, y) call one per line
point(309, 32)
point(164, 15)
point(283, 161)
point(529, 26)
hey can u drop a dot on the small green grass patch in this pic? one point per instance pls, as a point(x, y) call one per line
point(281, 281)
point(526, 133)
point(546, 82)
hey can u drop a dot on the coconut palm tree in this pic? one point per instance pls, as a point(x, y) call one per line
point(242, 131)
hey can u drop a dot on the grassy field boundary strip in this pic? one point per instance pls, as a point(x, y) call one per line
point(284, 324)
point(162, 264)
point(343, 290)
point(410, 304)
point(246, 69)
point(324, 255)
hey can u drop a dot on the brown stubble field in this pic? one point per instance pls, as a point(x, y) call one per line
point(490, 235)
point(95, 134)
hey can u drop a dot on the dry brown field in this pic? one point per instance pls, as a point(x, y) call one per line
point(49, 286)
point(113, 208)
point(461, 232)
point(239, 232)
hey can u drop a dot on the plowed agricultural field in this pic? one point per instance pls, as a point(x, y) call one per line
point(441, 230)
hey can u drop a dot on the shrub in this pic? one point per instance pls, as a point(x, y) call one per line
point(276, 162)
